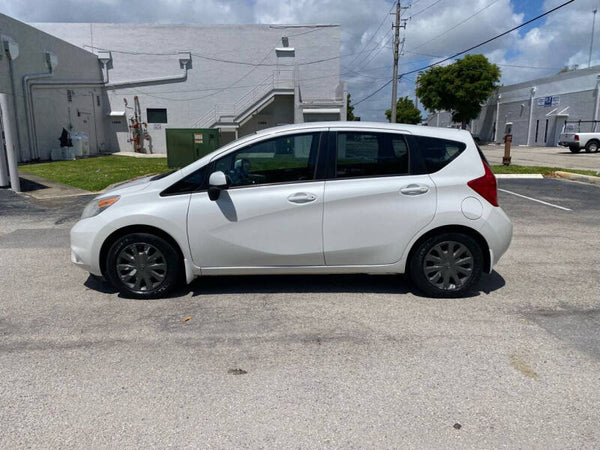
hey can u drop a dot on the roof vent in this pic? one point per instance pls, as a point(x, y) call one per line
point(185, 60)
point(105, 58)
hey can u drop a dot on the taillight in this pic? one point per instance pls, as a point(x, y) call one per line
point(576, 137)
point(486, 185)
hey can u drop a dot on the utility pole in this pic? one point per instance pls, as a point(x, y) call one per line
point(398, 24)
point(592, 41)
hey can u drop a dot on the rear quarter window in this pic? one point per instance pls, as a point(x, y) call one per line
point(438, 153)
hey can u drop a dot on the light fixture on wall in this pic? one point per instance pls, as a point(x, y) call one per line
point(10, 47)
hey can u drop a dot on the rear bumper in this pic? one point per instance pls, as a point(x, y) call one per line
point(497, 231)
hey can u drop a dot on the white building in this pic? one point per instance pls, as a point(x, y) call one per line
point(535, 110)
point(237, 78)
point(85, 77)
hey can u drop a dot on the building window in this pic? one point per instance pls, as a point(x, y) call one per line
point(537, 128)
point(69, 95)
point(97, 100)
point(156, 115)
point(546, 132)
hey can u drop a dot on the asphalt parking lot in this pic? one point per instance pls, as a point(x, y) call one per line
point(306, 362)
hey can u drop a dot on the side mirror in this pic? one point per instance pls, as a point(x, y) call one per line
point(216, 183)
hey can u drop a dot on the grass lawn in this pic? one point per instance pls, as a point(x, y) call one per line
point(94, 174)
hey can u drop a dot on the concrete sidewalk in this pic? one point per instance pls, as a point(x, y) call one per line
point(544, 156)
point(42, 189)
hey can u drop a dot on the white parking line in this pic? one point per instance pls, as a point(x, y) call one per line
point(535, 200)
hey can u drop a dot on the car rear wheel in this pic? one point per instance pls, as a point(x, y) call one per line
point(574, 149)
point(591, 146)
point(142, 265)
point(447, 265)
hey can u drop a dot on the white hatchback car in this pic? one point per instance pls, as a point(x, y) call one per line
point(330, 197)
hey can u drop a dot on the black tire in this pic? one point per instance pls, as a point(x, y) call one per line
point(455, 275)
point(142, 265)
point(574, 149)
point(591, 146)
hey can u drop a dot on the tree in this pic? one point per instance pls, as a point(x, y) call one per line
point(459, 88)
point(349, 110)
point(406, 112)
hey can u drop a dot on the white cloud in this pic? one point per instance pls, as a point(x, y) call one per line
point(561, 39)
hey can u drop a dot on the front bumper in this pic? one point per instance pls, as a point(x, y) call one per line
point(85, 245)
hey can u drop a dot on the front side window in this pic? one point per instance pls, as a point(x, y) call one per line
point(192, 183)
point(280, 160)
point(371, 154)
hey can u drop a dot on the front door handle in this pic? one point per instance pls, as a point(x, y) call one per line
point(302, 197)
point(414, 189)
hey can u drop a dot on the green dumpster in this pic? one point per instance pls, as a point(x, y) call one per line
point(186, 145)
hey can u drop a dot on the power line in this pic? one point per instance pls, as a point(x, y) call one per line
point(491, 39)
point(425, 9)
point(371, 56)
point(373, 35)
point(220, 89)
point(519, 66)
point(467, 50)
point(457, 25)
point(373, 93)
point(228, 61)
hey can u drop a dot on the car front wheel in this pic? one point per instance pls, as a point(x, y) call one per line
point(447, 265)
point(142, 265)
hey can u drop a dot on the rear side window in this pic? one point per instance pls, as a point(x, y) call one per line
point(438, 153)
point(370, 154)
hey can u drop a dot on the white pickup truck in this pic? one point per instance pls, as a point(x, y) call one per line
point(576, 140)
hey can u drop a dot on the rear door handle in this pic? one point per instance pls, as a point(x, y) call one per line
point(414, 189)
point(302, 197)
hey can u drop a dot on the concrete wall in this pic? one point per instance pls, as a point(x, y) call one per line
point(83, 114)
point(46, 90)
point(441, 119)
point(537, 109)
point(228, 64)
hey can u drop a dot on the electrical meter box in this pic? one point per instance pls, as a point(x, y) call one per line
point(186, 145)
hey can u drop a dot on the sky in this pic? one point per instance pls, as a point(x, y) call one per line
point(435, 29)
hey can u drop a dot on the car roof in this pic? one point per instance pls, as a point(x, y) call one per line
point(450, 133)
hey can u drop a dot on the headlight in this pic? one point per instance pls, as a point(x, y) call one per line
point(98, 205)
